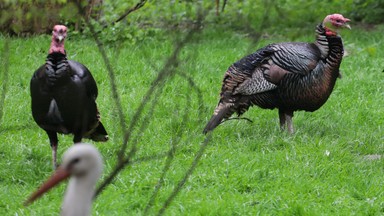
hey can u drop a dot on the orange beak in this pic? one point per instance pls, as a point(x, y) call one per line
point(56, 178)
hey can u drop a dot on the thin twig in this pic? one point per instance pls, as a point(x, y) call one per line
point(121, 165)
point(149, 158)
point(174, 144)
point(159, 184)
point(157, 85)
point(130, 10)
point(165, 72)
point(224, 4)
point(5, 59)
point(107, 63)
point(199, 96)
point(181, 183)
point(237, 118)
point(177, 137)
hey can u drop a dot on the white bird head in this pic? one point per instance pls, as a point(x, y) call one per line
point(82, 162)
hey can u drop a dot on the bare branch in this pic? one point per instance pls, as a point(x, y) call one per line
point(121, 165)
point(237, 118)
point(224, 4)
point(181, 183)
point(5, 60)
point(154, 91)
point(217, 7)
point(149, 158)
point(174, 144)
point(165, 72)
point(159, 184)
point(130, 10)
point(143, 114)
point(110, 70)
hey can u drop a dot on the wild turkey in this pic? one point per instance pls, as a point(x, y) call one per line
point(63, 96)
point(288, 76)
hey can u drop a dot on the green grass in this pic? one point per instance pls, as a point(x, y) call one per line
point(247, 169)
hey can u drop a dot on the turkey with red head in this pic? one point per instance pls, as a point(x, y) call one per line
point(63, 96)
point(289, 76)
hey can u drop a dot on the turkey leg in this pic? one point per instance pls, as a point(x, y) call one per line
point(53, 141)
point(288, 116)
point(286, 120)
point(282, 119)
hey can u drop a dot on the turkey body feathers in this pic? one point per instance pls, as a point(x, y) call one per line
point(63, 96)
point(288, 76)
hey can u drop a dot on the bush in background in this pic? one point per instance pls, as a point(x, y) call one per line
point(38, 16)
point(24, 17)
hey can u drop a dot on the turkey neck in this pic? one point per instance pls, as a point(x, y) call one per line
point(331, 49)
point(56, 47)
point(55, 59)
point(56, 67)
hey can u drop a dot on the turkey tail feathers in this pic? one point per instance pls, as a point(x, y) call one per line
point(100, 134)
point(222, 111)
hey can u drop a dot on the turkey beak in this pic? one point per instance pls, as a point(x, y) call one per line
point(61, 37)
point(60, 175)
point(346, 25)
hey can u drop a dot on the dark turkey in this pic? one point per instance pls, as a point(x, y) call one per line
point(288, 76)
point(63, 96)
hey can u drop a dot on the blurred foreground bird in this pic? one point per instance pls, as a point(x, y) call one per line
point(63, 96)
point(84, 164)
point(289, 76)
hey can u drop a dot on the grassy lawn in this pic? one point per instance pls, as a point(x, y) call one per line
point(327, 167)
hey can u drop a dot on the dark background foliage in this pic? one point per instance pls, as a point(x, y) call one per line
point(25, 17)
